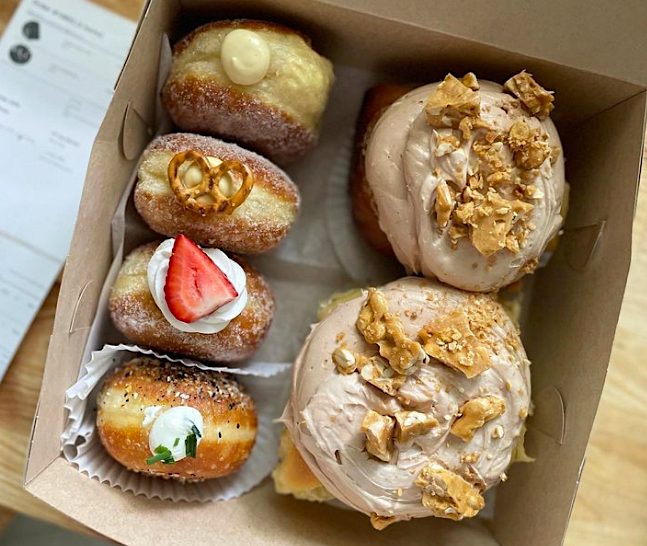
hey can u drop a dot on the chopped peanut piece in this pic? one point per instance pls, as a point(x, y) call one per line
point(471, 81)
point(445, 144)
point(413, 423)
point(344, 360)
point(445, 203)
point(497, 432)
point(475, 413)
point(534, 97)
point(378, 430)
point(447, 494)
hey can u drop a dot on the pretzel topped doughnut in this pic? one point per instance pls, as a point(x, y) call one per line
point(209, 185)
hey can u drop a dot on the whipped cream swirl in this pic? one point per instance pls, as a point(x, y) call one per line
point(220, 318)
point(171, 427)
point(404, 166)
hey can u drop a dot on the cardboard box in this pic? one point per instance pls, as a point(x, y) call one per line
point(596, 61)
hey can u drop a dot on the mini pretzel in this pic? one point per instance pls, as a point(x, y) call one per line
point(209, 186)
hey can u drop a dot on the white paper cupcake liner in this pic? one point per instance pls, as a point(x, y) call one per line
point(266, 383)
point(363, 264)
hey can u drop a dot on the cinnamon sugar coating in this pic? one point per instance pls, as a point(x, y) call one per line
point(259, 224)
point(278, 116)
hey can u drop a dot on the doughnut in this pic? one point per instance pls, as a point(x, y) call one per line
point(258, 224)
point(465, 179)
point(139, 308)
point(257, 83)
point(293, 477)
point(408, 401)
point(146, 411)
point(376, 101)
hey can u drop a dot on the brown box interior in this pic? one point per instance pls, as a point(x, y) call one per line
point(575, 305)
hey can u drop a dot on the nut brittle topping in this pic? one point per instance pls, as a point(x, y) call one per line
point(371, 321)
point(377, 372)
point(534, 97)
point(378, 430)
point(452, 102)
point(381, 522)
point(492, 220)
point(379, 326)
point(494, 208)
point(454, 340)
point(447, 494)
point(475, 413)
point(413, 423)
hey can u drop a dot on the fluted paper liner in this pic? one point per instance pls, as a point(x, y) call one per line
point(265, 383)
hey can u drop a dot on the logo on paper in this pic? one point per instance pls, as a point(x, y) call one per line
point(31, 30)
point(20, 54)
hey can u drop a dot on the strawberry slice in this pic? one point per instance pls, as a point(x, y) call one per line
point(195, 286)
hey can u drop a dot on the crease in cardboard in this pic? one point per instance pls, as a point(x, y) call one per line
point(73, 326)
point(549, 416)
point(580, 244)
point(30, 446)
point(136, 132)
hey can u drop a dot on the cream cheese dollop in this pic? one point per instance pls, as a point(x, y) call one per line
point(405, 165)
point(245, 56)
point(171, 427)
point(326, 407)
point(220, 318)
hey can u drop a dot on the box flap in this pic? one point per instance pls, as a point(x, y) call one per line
point(575, 33)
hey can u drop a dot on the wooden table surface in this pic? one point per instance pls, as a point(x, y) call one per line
point(611, 507)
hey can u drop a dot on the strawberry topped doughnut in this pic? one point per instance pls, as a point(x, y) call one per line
point(178, 298)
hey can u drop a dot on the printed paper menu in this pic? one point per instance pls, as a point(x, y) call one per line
point(59, 60)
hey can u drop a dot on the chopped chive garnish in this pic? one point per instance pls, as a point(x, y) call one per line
point(163, 454)
point(191, 442)
point(177, 441)
point(191, 445)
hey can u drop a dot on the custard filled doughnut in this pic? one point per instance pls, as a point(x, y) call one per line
point(254, 82)
point(169, 420)
point(409, 401)
point(178, 298)
point(467, 180)
point(218, 194)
